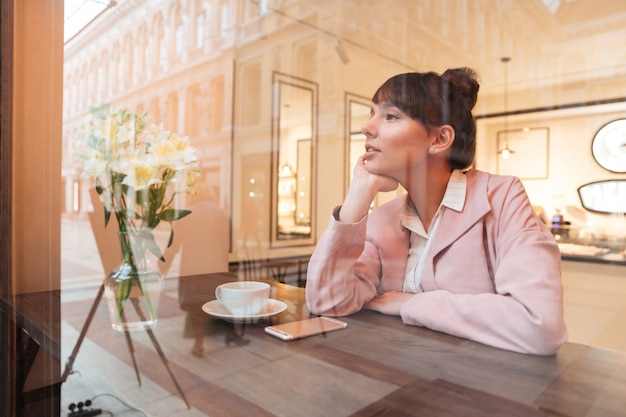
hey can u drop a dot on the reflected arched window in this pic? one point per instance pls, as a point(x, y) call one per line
point(140, 55)
point(255, 9)
point(200, 28)
point(224, 19)
point(179, 35)
point(94, 95)
point(100, 79)
point(119, 67)
point(126, 64)
point(149, 54)
point(212, 19)
point(82, 93)
point(89, 86)
point(74, 92)
point(104, 69)
point(160, 44)
point(114, 74)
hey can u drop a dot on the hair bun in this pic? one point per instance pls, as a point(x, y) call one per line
point(465, 82)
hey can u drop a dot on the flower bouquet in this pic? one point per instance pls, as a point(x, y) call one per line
point(139, 171)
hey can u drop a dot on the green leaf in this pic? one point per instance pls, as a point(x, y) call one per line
point(99, 187)
point(105, 197)
point(157, 194)
point(170, 215)
point(92, 141)
point(100, 111)
point(171, 239)
point(142, 196)
point(154, 222)
point(152, 245)
point(107, 216)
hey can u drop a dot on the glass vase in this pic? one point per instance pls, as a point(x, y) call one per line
point(133, 289)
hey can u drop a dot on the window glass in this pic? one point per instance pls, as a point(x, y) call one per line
point(272, 95)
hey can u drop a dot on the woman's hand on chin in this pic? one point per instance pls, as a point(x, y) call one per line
point(362, 191)
point(389, 302)
point(375, 182)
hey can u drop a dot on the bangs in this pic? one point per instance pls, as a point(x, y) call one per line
point(409, 92)
point(396, 91)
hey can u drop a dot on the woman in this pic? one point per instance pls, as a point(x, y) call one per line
point(462, 252)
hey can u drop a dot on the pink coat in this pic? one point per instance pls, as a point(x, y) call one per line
point(493, 274)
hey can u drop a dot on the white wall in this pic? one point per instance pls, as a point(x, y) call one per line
point(595, 303)
point(570, 161)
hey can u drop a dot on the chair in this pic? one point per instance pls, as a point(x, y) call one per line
point(303, 265)
point(251, 260)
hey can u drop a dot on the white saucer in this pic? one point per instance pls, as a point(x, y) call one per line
point(216, 309)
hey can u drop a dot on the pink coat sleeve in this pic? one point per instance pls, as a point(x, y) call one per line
point(337, 284)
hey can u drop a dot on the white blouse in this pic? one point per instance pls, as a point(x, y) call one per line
point(419, 247)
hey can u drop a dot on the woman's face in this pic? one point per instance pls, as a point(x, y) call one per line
point(396, 145)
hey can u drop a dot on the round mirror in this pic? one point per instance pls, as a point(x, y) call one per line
point(609, 146)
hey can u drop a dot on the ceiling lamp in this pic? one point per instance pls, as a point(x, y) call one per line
point(505, 152)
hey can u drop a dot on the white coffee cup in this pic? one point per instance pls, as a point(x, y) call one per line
point(243, 298)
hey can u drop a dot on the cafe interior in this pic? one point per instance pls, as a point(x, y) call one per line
point(270, 97)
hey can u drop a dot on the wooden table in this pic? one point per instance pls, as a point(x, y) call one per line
point(377, 366)
point(380, 367)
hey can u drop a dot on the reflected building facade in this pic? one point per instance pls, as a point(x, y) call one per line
point(272, 92)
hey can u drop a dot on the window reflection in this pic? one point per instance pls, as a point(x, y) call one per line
point(358, 115)
point(294, 104)
point(577, 69)
point(213, 70)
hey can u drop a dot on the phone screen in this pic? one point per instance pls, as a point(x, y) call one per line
point(304, 328)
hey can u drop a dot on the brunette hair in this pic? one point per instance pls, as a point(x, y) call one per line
point(435, 100)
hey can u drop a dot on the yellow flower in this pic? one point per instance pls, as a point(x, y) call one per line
point(141, 177)
point(137, 165)
point(179, 143)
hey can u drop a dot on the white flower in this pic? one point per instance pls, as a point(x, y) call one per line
point(94, 167)
point(138, 168)
point(141, 173)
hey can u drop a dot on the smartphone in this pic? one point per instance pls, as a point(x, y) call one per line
point(304, 328)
